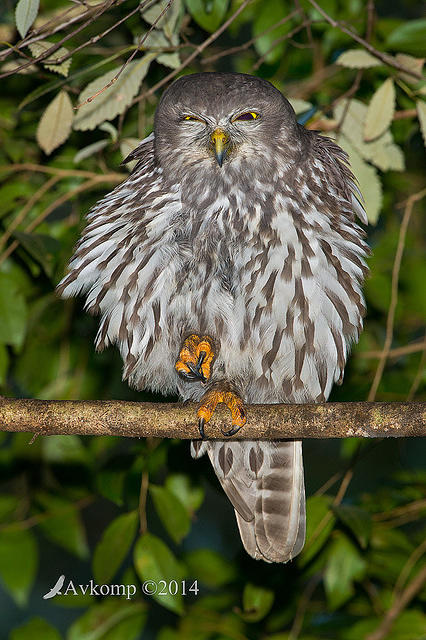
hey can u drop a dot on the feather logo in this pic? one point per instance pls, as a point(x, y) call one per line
point(56, 589)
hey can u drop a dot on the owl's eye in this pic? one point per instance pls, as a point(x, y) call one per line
point(192, 118)
point(250, 115)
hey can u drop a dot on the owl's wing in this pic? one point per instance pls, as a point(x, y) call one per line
point(264, 482)
point(340, 178)
point(140, 151)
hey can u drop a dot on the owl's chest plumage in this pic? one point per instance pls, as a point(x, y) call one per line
point(270, 276)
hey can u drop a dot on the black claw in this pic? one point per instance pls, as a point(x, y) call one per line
point(231, 432)
point(198, 374)
point(191, 376)
point(201, 422)
point(195, 373)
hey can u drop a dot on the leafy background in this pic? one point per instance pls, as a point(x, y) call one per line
point(124, 511)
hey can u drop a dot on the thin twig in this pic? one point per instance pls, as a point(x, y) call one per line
point(278, 41)
point(27, 208)
point(394, 292)
point(48, 52)
point(415, 506)
point(419, 375)
point(100, 179)
point(406, 569)
point(398, 352)
point(128, 61)
point(302, 605)
point(43, 32)
point(36, 519)
point(249, 43)
point(95, 39)
point(63, 173)
point(143, 525)
point(387, 59)
point(194, 54)
point(398, 606)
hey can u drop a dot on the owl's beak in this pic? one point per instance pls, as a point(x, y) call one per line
point(219, 140)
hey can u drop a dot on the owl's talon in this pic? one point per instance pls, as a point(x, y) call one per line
point(201, 423)
point(231, 432)
point(234, 403)
point(196, 370)
point(196, 358)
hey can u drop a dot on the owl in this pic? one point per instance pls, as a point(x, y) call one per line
point(228, 268)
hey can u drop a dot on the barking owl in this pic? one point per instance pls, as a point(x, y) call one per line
point(228, 268)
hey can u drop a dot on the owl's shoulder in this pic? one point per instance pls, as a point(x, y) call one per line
point(144, 151)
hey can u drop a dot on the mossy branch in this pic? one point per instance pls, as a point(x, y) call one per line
point(179, 420)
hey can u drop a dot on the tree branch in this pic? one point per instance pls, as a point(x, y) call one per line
point(179, 420)
point(384, 57)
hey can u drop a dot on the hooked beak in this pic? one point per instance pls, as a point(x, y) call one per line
point(219, 140)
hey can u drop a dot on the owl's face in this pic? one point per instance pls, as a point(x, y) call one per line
point(218, 119)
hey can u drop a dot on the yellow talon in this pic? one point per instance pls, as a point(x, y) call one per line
point(196, 358)
point(234, 403)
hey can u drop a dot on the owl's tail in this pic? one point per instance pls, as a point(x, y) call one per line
point(264, 481)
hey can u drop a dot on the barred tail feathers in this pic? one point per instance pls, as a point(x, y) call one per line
point(265, 484)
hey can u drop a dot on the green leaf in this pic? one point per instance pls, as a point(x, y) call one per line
point(18, 562)
point(8, 504)
point(319, 524)
point(156, 40)
point(25, 14)
point(345, 565)
point(409, 62)
point(126, 147)
point(13, 312)
point(180, 485)
point(257, 602)
point(109, 128)
point(421, 113)
point(90, 150)
point(270, 12)
point(380, 111)
point(114, 100)
point(357, 59)
point(388, 157)
point(409, 37)
point(369, 182)
point(110, 484)
point(210, 567)
point(35, 629)
point(382, 151)
point(167, 633)
point(154, 561)
point(409, 625)
point(56, 123)
point(114, 546)
point(12, 194)
point(64, 526)
point(40, 47)
point(110, 620)
point(64, 450)
point(4, 363)
point(41, 247)
point(169, 22)
point(358, 520)
point(299, 106)
point(171, 512)
point(208, 14)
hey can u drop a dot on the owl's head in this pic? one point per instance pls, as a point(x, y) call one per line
point(218, 119)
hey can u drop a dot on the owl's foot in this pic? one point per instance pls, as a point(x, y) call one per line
point(195, 358)
point(234, 403)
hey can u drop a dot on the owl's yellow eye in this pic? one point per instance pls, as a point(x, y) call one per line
point(193, 118)
point(250, 115)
